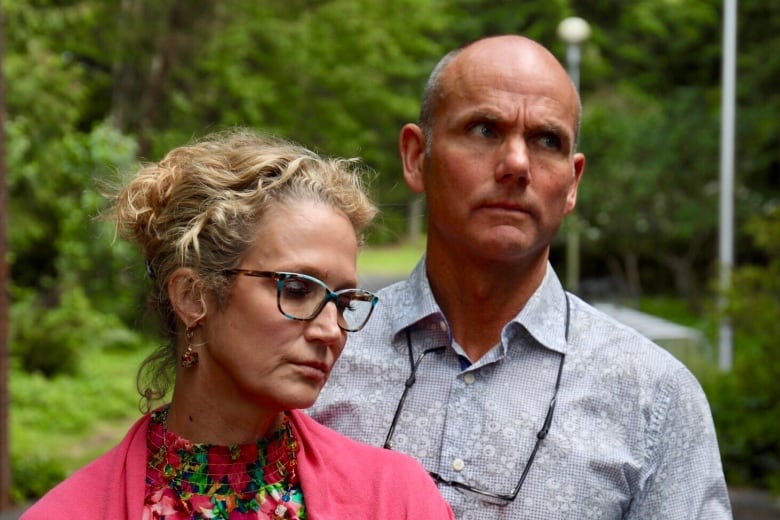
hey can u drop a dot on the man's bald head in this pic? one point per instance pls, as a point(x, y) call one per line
point(509, 51)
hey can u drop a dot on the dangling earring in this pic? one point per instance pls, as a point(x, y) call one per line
point(190, 358)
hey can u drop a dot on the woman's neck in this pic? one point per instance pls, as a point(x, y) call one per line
point(223, 425)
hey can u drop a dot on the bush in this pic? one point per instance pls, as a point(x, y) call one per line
point(51, 338)
point(745, 408)
point(34, 476)
point(44, 339)
point(58, 425)
point(746, 402)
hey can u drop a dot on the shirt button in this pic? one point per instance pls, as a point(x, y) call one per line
point(469, 378)
point(443, 326)
point(458, 464)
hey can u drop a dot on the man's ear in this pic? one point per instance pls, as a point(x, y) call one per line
point(186, 295)
point(411, 145)
point(578, 170)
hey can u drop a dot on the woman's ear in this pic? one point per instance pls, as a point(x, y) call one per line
point(186, 295)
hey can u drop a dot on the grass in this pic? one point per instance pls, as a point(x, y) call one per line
point(73, 419)
point(58, 425)
point(394, 260)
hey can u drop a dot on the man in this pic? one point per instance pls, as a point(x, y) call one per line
point(519, 398)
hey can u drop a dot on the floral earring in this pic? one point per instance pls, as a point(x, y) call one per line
point(189, 358)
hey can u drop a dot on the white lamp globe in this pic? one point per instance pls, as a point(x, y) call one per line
point(573, 30)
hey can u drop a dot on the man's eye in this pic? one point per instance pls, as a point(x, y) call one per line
point(550, 141)
point(483, 130)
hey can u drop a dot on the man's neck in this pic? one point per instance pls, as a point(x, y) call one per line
point(478, 299)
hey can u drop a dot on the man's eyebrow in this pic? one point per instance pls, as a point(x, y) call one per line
point(555, 128)
point(480, 116)
point(485, 115)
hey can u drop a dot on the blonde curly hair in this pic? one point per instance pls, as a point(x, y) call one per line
point(200, 205)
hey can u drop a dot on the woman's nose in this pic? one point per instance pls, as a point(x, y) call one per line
point(326, 323)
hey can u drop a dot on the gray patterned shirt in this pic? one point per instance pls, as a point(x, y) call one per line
point(631, 437)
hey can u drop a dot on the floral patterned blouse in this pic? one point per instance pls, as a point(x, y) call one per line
point(235, 482)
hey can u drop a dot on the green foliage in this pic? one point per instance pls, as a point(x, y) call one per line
point(93, 85)
point(657, 179)
point(651, 91)
point(746, 401)
point(57, 425)
point(49, 346)
point(58, 153)
point(396, 260)
point(341, 76)
point(51, 337)
point(34, 476)
point(54, 203)
point(88, 255)
point(344, 75)
point(472, 19)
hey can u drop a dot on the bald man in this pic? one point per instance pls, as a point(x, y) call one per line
point(520, 399)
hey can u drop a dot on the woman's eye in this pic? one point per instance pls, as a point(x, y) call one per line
point(297, 288)
point(345, 303)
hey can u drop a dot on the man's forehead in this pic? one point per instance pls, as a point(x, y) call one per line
point(500, 84)
point(486, 99)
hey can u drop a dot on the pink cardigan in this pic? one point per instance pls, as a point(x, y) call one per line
point(341, 478)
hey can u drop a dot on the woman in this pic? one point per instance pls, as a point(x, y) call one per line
point(251, 245)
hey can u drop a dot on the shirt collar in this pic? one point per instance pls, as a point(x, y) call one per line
point(414, 304)
point(545, 316)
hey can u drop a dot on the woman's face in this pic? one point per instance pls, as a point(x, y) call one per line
point(254, 354)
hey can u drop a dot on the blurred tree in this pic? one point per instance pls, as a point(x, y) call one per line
point(55, 166)
point(157, 41)
point(472, 19)
point(43, 103)
point(341, 76)
point(746, 401)
point(93, 84)
point(344, 75)
point(651, 90)
point(643, 184)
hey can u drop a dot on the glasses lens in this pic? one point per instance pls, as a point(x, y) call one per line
point(300, 297)
point(355, 306)
point(303, 297)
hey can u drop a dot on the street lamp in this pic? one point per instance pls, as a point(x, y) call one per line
point(728, 109)
point(573, 31)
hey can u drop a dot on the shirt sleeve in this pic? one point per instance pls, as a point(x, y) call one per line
point(683, 476)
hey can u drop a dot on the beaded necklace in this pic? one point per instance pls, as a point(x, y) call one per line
point(285, 467)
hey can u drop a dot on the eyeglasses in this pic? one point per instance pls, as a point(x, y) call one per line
point(302, 297)
point(482, 494)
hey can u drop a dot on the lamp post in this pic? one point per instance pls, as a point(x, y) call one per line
point(574, 31)
point(726, 246)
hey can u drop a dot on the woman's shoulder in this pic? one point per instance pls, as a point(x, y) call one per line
point(329, 442)
point(92, 491)
point(347, 475)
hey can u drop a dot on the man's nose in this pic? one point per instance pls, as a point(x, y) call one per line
point(514, 161)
